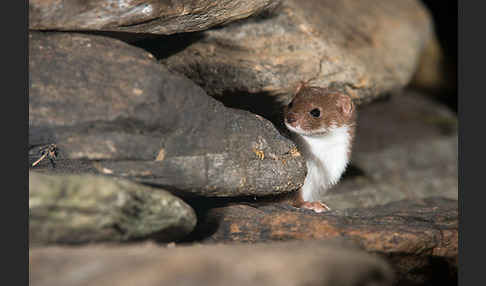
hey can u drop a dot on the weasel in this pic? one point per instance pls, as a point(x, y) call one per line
point(323, 123)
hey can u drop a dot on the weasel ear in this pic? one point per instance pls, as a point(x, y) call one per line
point(346, 104)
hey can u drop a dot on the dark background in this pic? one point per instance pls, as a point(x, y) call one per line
point(445, 14)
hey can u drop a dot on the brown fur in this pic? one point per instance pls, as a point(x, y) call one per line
point(335, 109)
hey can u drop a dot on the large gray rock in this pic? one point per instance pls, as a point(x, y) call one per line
point(365, 48)
point(80, 209)
point(311, 263)
point(112, 109)
point(140, 16)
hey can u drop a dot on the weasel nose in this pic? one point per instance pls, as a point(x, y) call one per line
point(291, 117)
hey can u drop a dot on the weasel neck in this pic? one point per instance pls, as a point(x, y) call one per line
point(326, 158)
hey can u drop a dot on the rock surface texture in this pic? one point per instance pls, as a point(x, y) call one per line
point(420, 237)
point(406, 147)
point(311, 263)
point(365, 48)
point(139, 16)
point(80, 209)
point(111, 109)
point(168, 139)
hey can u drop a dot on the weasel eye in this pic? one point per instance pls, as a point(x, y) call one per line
point(315, 112)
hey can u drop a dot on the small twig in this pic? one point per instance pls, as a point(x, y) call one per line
point(50, 152)
point(38, 160)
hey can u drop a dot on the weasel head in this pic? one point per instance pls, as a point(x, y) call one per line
point(316, 111)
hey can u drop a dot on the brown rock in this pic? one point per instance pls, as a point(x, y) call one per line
point(416, 235)
point(311, 263)
point(382, 228)
point(140, 16)
point(365, 48)
point(112, 109)
point(432, 71)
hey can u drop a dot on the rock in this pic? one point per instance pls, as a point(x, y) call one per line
point(111, 109)
point(311, 263)
point(80, 209)
point(432, 71)
point(141, 16)
point(364, 48)
point(406, 147)
point(420, 237)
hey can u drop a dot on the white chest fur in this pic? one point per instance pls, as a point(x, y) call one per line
point(326, 159)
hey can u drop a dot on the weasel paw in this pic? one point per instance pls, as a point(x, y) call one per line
point(317, 207)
